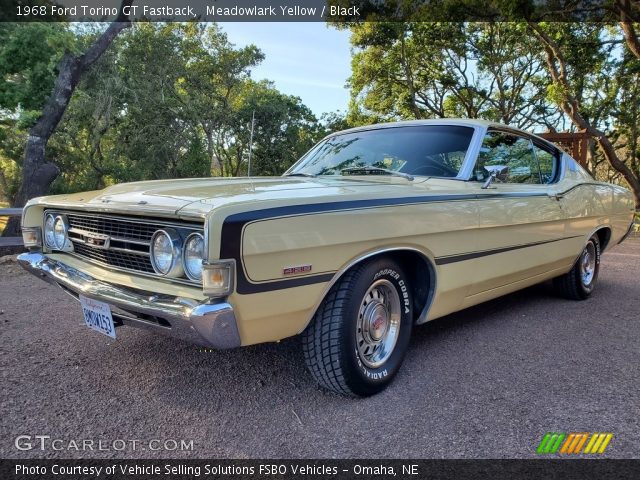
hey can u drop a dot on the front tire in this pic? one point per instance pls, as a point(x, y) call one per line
point(358, 338)
point(580, 281)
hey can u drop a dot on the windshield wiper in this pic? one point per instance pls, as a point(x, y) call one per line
point(376, 170)
point(301, 174)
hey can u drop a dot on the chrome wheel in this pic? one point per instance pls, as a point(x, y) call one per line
point(378, 324)
point(588, 264)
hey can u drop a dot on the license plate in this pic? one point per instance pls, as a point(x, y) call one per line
point(97, 316)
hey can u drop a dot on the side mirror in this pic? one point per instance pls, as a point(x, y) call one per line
point(490, 179)
point(494, 171)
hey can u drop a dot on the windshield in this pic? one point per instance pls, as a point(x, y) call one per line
point(428, 150)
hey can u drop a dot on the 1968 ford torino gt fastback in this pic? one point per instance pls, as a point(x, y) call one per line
point(374, 230)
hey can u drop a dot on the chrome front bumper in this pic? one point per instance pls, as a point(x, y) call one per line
point(209, 324)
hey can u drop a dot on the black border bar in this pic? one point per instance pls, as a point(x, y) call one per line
point(337, 11)
point(279, 469)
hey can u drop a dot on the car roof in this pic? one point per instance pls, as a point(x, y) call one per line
point(463, 122)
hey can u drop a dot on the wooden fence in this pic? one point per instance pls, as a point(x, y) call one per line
point(575, 144)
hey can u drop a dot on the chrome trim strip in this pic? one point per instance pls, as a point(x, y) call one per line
point(128, 250)
point(116, 239)
point(117, 249)
point(205, 257)
point(470, 159)
point(134, 219)
point(210, 324)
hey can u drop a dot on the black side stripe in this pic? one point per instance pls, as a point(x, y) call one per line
point(484, 253)
point(305, 209)
point(233, 226)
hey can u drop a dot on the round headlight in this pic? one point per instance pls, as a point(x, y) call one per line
point(193, 254)
point(166, 253)
point(48, 231)
point(59, 232)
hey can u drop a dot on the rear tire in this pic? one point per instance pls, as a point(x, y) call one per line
point(580, 281)
point(358, 338)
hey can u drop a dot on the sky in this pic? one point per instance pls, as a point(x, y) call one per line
point(308, 60)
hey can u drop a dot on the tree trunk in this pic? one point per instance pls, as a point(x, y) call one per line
point(37, 173)
point(626, 22)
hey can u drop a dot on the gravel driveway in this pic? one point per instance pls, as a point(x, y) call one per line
point(485, 382)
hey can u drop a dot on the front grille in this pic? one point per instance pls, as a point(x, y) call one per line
point(115, 258)
point(114, 227)
point(129, 239)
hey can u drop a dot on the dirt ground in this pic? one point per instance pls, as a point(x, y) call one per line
point(486, 382)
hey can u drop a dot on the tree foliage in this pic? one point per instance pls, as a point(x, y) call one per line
point(177, 100)
point(593, 79)
point(165, 101)
point(537, 76)
point(28, 62)
point(29, 57)
point(427, 70)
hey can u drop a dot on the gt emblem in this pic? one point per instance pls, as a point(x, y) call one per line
point(97, 240)
point(296, 270)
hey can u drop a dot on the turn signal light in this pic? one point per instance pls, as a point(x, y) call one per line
point(32, 237)
point(217, 278)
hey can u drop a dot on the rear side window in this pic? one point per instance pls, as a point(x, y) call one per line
point(575, 170)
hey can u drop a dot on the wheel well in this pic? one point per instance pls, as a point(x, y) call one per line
point(604, 235)
point(421, 273)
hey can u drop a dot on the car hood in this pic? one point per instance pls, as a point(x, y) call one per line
point(197, 197)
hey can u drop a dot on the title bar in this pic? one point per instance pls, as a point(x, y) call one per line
point(320, 10)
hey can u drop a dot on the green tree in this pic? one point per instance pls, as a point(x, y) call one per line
point(29, 57)
point(216, 74)
point(153, 106)
point(176, 100)
point(283, 130)
point(594, 77)
point(38, 172)
point(164, 101)
point(431, 69)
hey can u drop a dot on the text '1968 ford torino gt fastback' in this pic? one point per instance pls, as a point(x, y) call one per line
point(373, 231)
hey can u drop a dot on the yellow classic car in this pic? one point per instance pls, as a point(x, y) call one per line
point(373, 231)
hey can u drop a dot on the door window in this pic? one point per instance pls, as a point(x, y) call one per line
point(548, 162)
point(510, 156)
